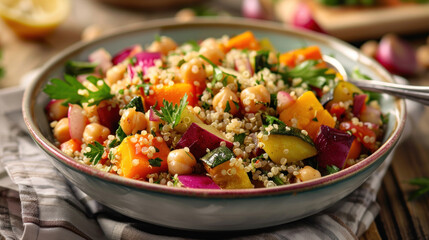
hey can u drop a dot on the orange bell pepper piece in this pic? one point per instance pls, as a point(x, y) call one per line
point(245, 40)
point(171, 94)
point(136, 160)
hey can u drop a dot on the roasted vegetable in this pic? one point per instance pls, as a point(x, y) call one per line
point(217, 164)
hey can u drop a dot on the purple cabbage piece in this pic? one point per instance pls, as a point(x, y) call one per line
point(147, 59)
point(122, 55)
point(197, 181)
point(333, 146)
point(131, 71)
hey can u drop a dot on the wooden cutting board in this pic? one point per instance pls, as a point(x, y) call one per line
point(361, 23)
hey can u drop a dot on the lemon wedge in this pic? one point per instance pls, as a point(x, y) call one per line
point(33, 18)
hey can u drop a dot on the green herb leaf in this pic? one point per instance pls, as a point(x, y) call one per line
point(261, 60)
point(2, 71)
point(111, 155)
point(113, 143)
point(95, 153)
point(237, 105)
point(75, 68)
point(136, 102)
point(120, 134)
point(146, 88)
point(239, 137)
point(194, 44)
point(132, 61)
point(310, 74)
point(270, 120)
point(315, 119)
point(155, 162)
point(172, 114)
point(228, 107)
point(422, 183)
point(157, 38)
point(68, 90)
point(206, 106)
point(217, 73)
point(332, 169)
point(273, 100)
point(277, 180)
point(181, 62)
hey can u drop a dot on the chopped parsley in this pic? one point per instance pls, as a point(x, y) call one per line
point(120, 134)
point(145, 87)
point(137, 103)
point(270, 120)
point(75, 68)
point(218, 74)
point(315, 119)
point(239, 137)
point(422, 183)
point(181, 62)
point(310, 74)
point(195, 46)
point(96, 152)
point(237, 105)
point(71, 90)
point(332, 169)
point(155, 162)
point(227, 107)
point(111, 155)
point(172, 114)
point(206, 106)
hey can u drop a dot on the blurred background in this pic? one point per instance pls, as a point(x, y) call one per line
point(34, 30)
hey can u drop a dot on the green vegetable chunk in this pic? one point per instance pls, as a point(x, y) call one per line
point(217, 156)
point(287, 142)
point(137, 103)
point(75, 68)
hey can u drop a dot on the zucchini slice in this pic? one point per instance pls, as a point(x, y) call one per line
point(287, 142)
point(217, 164)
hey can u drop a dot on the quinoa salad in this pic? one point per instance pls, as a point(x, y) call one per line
point(226, 113)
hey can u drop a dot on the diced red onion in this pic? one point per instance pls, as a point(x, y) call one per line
point(358, 104)
point(197, 181)
point(152, 116)
point(103, 58)
point(131, 72)
point(333, 146)
point(253, 9)
point(77, 121)
point(147, 59)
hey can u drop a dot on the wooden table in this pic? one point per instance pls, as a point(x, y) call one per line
point(398, 218)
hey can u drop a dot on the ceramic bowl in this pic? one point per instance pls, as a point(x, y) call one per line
point(198, 209)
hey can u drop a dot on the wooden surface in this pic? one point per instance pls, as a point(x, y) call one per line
point(354, 24)
point(398, 218)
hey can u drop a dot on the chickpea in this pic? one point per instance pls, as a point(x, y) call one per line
point(151, 125)
point(255, 98)
point(56, 111)
point(61, 130)
point(132, 121)
point(91, 113)
point(95, 132)
point(208, 42)
point(308, 173)
point(180, 162)
point(163, 45)
point(223, 97)
point(115, 74)
point(213, 53)
point(193, 71)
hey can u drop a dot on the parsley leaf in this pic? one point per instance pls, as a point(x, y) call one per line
point(310, 74)
point(218, 74)
point(146, 88)
point(332, 169)
point(75, 68)
point(136, 102)
point(69, 88)
point(270, 120)
point(120, 134)
point(170, 113)
point(422, 183)
point(239, 137)
point(95, 153)
point(155, 162)
point(206, 106)
point(227, 107)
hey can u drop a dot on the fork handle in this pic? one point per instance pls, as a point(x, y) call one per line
point(414, 93)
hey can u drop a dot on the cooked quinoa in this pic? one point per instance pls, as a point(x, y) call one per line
point(166, 110)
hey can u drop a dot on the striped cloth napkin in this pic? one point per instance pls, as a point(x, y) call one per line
point(37, 202)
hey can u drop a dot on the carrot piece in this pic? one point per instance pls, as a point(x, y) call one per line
point(71, 145)
point(245, 40)
point(135, 162)
point(171, 94)
point(294, 57)
point(355, 149)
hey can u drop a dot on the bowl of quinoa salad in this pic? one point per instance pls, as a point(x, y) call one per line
point(212, 118)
